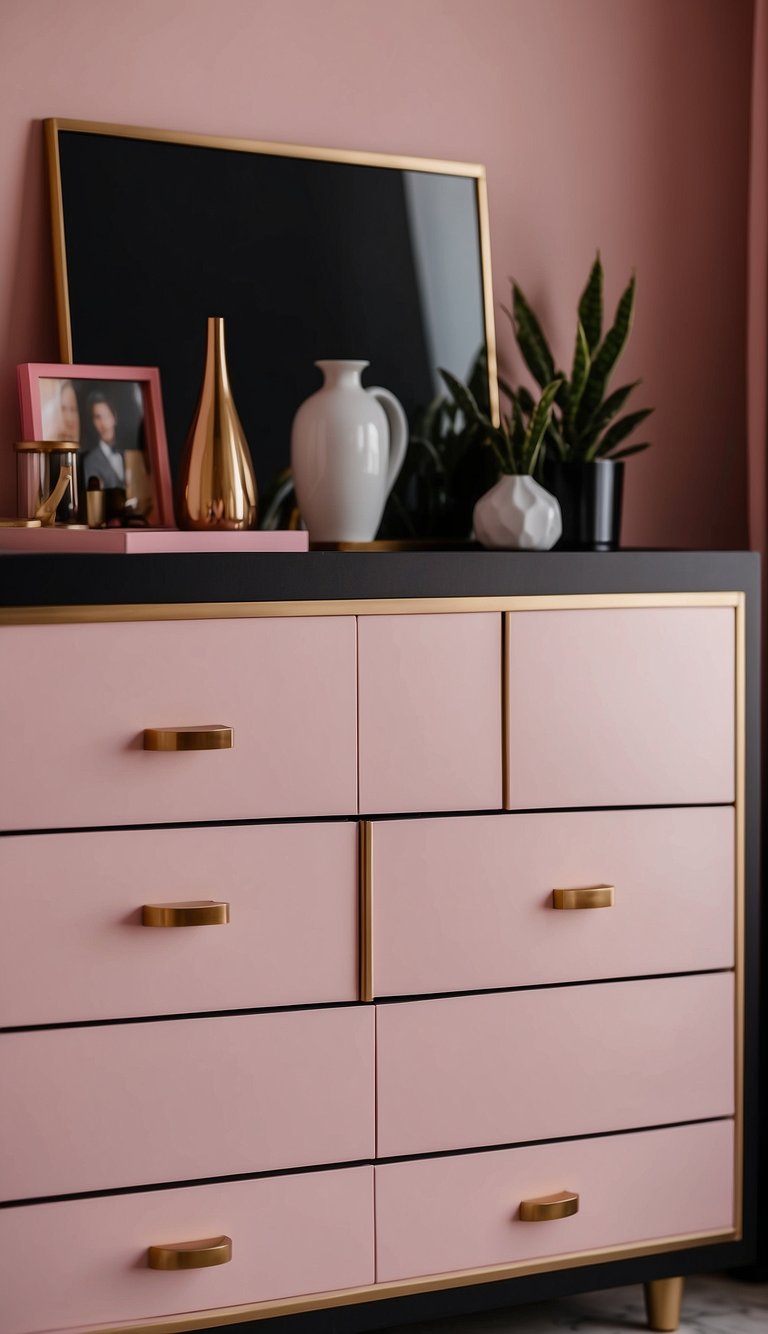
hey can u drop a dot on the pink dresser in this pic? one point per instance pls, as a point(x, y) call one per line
point(361, 948)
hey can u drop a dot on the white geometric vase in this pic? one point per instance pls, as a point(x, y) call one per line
point(517, 514)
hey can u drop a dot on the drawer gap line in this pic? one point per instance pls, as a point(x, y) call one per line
point(154, 1186)
point(175, 1018)
point(549, 986)
point(351, 1004)
point(354, 818)
point(181, 824)
point(538, 1143)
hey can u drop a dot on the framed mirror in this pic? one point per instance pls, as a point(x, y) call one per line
point(308, 253)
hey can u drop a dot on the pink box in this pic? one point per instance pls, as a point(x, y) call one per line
point(145, 541)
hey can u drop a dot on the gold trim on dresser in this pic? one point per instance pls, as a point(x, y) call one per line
point(365, 837)
point(505, 780)
point(229, 611)
point(237, 1315)
point(740, 882)
point(351, 157)
point(593, 896)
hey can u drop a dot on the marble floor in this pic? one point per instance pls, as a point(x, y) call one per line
point(712, 1305)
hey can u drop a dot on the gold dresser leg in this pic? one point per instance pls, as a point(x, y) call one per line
point(663, 1299)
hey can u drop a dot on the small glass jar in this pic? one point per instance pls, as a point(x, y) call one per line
point(38, 464)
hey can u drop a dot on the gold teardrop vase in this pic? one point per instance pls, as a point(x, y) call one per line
point(217, 491)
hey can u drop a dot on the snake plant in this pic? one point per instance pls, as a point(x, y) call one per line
point(443, 474)
point(584, 424)
point(515, 443)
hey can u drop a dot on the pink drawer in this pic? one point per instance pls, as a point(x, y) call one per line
point(621, 707)
point(73, 945)
point(137, 1103)
point(529, 1065)
point(430, 712)
point(312, 1232)
point(673, 906)
point(73, 754)
point(443, 1214)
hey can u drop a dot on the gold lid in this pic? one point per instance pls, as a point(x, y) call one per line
point(46, 446)
point(20, 523)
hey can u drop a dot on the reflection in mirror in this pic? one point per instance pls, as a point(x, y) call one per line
point(306, 257)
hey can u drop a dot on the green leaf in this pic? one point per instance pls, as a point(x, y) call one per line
point(616, 433)
point(563, 403)
point(608, 354)
point(464, 398)
point(617, 335)
point(531, 340)
point(498, 439)
point(538, 425)
point(607, 411)
point(579, 371)
point(518, 425)
point(553, 435)
point(631, 449)
point(422, 442)
point(591, 305)
point(478, 381)
point(507, 432)
point(526, 400)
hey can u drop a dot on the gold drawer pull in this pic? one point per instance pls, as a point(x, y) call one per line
point(196, 912)
point(562, 1205)
point(214, 736)
point(593, 896)
point(191, 1254)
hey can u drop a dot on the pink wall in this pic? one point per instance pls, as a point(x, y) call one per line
point(623, 125)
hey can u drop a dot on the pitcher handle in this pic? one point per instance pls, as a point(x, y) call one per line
point(398, 432)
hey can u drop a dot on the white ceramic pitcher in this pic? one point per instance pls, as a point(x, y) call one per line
point(347, 448)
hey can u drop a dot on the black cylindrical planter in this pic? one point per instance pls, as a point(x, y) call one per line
point(590, 499)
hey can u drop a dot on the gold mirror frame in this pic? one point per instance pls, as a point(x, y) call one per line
point(55, 125)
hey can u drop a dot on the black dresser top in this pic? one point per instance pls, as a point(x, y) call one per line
point(64, 580)
point(60, 580)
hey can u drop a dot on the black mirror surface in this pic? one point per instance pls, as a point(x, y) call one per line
point(306, 258)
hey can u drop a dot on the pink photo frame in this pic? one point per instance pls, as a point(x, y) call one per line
point(147, 377)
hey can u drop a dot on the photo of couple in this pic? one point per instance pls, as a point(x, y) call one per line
point(107, 419)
